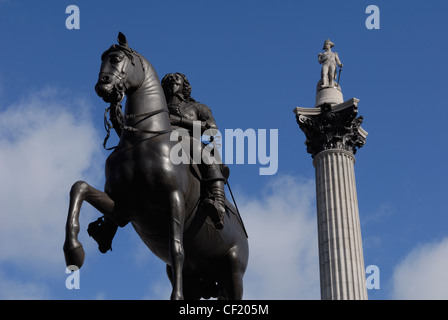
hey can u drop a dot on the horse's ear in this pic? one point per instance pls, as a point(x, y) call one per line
point(122, 41)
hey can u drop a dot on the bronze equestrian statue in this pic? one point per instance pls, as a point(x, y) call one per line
point(160, 199)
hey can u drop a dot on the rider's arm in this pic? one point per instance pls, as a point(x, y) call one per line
point(206, 116)
point(187, 123)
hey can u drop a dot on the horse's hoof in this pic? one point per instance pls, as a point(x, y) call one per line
point(74, 256)
point(176, 296)
point(102, 231)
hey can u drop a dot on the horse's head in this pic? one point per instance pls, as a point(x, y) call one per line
point(121, 71)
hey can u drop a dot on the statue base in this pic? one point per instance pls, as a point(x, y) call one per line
point(330, 94)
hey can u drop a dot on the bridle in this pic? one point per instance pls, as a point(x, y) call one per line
point(115, 107)
point(120, 86)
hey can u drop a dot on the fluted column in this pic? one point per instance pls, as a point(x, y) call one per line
point(333, 135)
point(340, 246)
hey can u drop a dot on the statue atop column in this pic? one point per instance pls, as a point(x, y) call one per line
point(330, 61)
point(328, 90)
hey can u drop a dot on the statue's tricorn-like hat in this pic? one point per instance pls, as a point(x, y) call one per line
point(328, 41)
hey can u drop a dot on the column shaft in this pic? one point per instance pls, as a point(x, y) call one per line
point(340, 244)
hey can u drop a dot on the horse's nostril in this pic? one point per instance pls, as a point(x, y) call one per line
point(105, 78)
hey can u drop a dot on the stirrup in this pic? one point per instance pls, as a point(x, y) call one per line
point(216, 216)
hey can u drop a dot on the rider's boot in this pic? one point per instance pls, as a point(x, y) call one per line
point(215, 204)
point(103, 231)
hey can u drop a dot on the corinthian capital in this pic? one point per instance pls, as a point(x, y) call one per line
point(332, 127)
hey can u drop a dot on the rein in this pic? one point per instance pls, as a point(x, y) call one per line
point(115, 109)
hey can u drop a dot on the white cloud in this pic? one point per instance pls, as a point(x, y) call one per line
point(22, 290)
point(423, 273)
point(159, 290)
point(46, 144)
point(283, 248)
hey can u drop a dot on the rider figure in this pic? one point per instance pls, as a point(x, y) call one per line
point(183, 111)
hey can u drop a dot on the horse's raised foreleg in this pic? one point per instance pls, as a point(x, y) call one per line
point(80, 192)
point(176, 244)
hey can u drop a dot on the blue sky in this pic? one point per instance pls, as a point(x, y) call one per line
point(252, 62)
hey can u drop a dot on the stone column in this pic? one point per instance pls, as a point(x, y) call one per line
point(340, 246)
point(333, 135)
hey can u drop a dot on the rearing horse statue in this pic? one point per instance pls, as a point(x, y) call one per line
point(159, 198)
